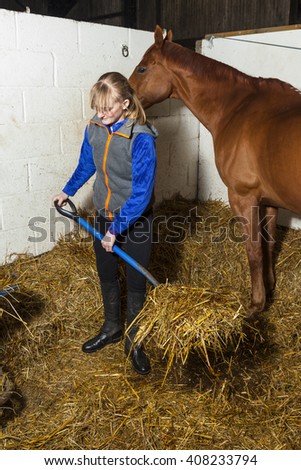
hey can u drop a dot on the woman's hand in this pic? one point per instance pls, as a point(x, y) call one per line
point(60, 198)
point(108, 242)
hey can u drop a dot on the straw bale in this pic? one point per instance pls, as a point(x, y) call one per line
point(249, 397)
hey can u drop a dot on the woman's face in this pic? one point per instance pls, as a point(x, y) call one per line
point(112, 114)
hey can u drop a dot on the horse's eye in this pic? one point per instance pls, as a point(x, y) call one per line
point(141, 69)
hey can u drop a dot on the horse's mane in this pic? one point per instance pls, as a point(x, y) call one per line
point(206, 67)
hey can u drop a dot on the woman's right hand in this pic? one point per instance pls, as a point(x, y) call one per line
point(60, 198)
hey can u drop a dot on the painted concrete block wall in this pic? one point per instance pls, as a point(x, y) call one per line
point(269, 54)
point(48, 66)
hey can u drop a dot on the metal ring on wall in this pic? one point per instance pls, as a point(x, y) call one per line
point(125, 50)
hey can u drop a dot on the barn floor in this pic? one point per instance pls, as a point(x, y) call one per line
point(64, 399)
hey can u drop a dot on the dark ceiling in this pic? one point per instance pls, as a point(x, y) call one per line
point(126, 9)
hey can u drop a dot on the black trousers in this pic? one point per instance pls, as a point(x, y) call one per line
point(136, 242)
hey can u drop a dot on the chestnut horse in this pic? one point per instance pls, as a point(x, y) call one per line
point(255, 124)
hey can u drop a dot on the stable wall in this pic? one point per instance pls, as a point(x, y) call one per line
point(267, 54)
point(48, 66)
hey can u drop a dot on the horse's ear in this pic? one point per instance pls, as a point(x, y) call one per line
point(169, 36)
point(159, 36)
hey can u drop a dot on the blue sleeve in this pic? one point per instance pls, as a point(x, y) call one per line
point(84, 170)
point(143, 180)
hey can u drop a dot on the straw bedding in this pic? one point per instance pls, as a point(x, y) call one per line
point(217, 381)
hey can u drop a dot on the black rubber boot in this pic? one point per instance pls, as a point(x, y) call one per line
point(140, 361)
point(111, 330)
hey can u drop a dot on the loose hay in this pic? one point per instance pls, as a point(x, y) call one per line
point(249, 397)
point(181, 319)
point(6, 388)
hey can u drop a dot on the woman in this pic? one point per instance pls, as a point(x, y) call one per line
point(119, 146)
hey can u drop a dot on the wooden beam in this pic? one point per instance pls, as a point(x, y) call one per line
point(59, 8)
point(254, 31)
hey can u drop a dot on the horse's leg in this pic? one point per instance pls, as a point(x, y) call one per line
point(247, 209)
point(269, 225)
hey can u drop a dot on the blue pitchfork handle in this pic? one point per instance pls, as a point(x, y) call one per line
point(73, 214)
point(7, 290)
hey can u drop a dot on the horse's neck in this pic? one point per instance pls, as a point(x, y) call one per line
point(201, 88)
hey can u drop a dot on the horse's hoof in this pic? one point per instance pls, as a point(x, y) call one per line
point(252, 319)
point(253, 313)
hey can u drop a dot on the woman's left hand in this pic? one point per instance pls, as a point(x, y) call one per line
point(108, 242)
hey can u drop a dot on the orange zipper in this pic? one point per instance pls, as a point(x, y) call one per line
point(104, 169)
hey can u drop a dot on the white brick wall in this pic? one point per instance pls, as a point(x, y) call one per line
point(48, 66)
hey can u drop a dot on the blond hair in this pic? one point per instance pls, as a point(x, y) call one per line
point(114, 87)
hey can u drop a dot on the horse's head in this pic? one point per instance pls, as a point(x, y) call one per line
point(151, 79)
